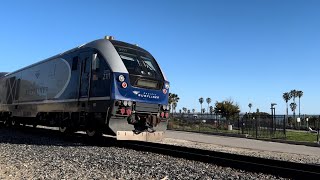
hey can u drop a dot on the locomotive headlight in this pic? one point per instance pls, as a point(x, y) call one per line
point(129, 103)
point(166, 85)
point(125, 103)
point(121, 78)
point(165, 107)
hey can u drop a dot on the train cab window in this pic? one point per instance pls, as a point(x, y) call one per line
point(95, 62)
point(142, 67)
point(148, 63)
point(131, 63)
point(75, 63)
point(141, 64)
point(100, 76)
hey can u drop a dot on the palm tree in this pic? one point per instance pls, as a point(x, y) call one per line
point(173, 100)
point(201, 101)
point(287, 96)
point(208, 101)
point(294, 94)
point(174, 106)
point(293, 107)
point(300, 94)
point(184, 109)
point(250, 106)
point(211, 110)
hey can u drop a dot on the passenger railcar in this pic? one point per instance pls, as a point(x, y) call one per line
point(105, 86)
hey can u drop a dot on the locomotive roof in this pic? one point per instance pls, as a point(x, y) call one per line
point(99, 44)
point(105, 47)
point(3, 74)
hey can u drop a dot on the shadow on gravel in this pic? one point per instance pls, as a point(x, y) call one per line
point(39, 136)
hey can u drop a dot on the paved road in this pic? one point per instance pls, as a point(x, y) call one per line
point(244, 143)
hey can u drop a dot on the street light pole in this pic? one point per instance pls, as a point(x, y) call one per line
point(318, 130)
point(273, 112)
point(258, 117)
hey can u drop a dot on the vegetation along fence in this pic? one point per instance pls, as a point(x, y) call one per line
point(256, 125)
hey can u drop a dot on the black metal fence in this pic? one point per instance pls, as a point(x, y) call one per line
point(264, 126)
point(258, 126)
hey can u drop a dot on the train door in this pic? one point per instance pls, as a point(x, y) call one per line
point(100, 78)
point(85, 59)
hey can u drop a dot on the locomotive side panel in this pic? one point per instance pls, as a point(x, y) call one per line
point(53, 86)
point(2, 94)
point(27, 92)
point(46, 81)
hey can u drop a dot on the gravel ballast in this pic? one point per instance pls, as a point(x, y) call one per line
point(42, 154)
point(299, 158)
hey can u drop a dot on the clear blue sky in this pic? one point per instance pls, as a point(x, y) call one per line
point(250, 51)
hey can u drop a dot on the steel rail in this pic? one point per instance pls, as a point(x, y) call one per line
point(248, 163)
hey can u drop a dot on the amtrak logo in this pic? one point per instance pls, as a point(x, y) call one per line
point(146, 95)
point(37, 74)
point(136, 92)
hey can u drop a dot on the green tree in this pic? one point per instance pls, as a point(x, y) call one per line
point(287, 96)
point(228, 109)
point(211, 109)
point(201, 101)
point(300, 94)
point(173, 101)
point(208, 101)
point(193, 111)
point(250, 106)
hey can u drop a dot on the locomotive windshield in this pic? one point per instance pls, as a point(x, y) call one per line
point(139, 63)
point(142, 67)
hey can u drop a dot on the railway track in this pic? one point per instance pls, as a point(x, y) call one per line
point(248, 163)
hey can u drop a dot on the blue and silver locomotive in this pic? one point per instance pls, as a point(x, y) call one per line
point(102, 87)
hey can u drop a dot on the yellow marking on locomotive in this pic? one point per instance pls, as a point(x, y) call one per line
point(144, 136)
